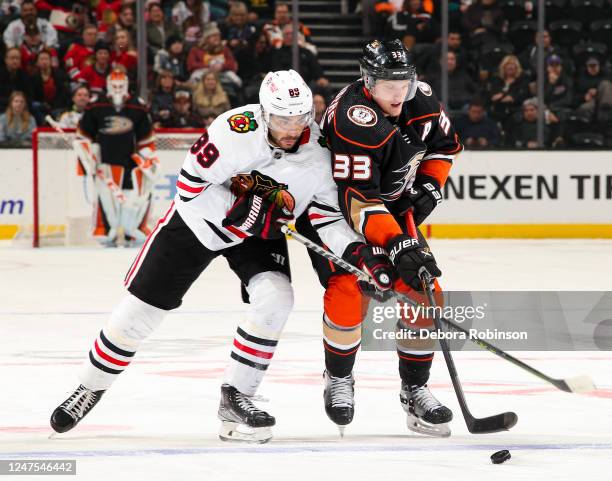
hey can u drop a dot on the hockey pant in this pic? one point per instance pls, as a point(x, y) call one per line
point(127, 208)
point(169, 262)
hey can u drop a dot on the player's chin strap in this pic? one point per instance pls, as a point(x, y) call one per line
point(575, 384)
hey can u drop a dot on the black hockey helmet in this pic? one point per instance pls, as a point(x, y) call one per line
point(388, 60)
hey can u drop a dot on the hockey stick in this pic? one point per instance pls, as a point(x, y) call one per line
point(575, 384)
point(490, 424)
point(110, 183)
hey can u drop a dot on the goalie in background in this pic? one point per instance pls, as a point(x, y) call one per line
point(115, 145)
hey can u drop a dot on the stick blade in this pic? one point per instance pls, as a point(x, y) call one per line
point(492, 424)
point(576, 384)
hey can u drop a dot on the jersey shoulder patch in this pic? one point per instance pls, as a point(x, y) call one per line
point(362, 115)
point(243, 122)
point(425, 88)
point(359, 121)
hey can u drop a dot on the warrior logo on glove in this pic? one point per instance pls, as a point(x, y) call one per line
point(265, 187)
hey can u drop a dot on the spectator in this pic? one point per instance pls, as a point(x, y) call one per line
point(588, 81)
point(529, 58)
point(429, 62)
point(30, 48)
point(209, 98)
point(50, 89)
point(236, 30)
point(16, 124)
point(475, 129)
point(81, 53)
point(508, 89)
point(523, 133)
point(460, 86)
point(12, 77)
point(69, 119)
point(254, 63)
point(320, 105)
point(213, 55)
point(13, 35)
point(181, 115)
point(159, 29)
point(107, 14)
point(484, 21)
point(599, 107)
point(123, 53)
point(173, 59)
point(196, 11)
point(282, 18)
point(95, 75)
point(126, 21)
point(260, 9)
point(558, 86)
point(414, 21)
point(163, 96)
point(67, 18)
point(311, 71)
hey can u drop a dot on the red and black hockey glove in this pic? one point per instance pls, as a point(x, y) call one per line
point(423, 197)
point(257, 216)
point(408, 256)
point(374, 261)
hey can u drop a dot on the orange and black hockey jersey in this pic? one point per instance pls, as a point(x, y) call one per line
point(120, 133)
point(375, 158)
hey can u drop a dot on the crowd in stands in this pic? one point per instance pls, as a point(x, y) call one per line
point(206, 56)
point(492, 60)
point(203, 58)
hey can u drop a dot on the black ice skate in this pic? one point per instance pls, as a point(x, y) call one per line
point(426, 415)
point(68, 414)
point(241, 420)
point(339, 397)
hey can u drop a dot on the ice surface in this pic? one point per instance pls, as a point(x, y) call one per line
point(158, 422)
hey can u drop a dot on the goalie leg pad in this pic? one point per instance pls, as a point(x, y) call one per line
point(271, 301)
point(131, 322)
point(134, 215)
point(107, 208)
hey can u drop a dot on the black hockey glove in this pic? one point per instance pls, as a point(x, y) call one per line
point(374, 261)
point(408, 256)
point(257, 216)
point(423, 197)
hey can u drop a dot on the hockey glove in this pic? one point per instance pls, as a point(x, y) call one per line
point(257, 216)
point(408, 256)
point(423, 197)
point(374, 261)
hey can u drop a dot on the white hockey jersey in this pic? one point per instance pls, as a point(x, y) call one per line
point(236, 143)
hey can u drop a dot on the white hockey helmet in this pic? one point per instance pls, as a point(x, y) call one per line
point(117, 86)
point(285, 94)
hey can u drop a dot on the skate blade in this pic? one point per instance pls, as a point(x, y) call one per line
point(341, 431)
point(417, 425)
point(241, 433)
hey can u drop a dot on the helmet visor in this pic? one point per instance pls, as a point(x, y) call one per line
point(291, 123)
point(393, 90)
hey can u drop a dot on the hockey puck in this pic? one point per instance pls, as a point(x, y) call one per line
point(500, 456)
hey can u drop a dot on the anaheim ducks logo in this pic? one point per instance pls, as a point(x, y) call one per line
point(362, 115)
point(425, 88)
point(114, 125)
point(243, 123)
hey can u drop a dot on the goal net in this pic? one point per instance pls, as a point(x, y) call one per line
point(62, 200)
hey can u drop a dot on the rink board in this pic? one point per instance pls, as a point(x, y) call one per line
point(489, 194)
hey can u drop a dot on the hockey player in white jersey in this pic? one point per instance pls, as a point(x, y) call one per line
point(256, 165)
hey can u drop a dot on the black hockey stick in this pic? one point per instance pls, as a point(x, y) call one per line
point(575, 384)
point(490, 424)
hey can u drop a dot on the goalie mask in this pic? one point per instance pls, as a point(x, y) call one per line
point(117, 87)
point(387, 69)
point(286, 103)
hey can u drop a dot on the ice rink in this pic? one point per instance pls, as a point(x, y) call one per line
point(158, 422)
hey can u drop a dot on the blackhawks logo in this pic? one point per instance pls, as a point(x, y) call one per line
point(243, 123)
